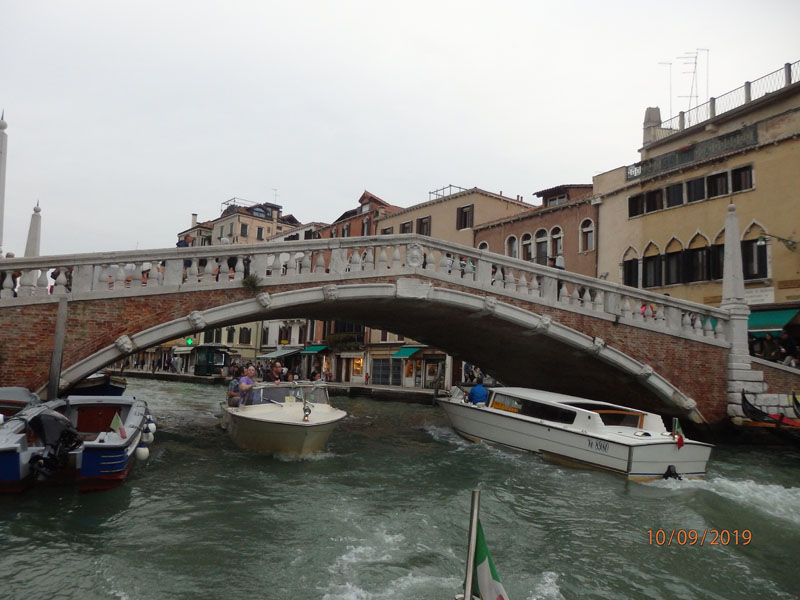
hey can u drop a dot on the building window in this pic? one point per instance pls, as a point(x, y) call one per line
point(541, 247)
point(630, 272)
point(213, 336)
point(636, 205)
point(387, 231)
point(258, 212)
point(406, 227)
point(654, 200)
point(365, 226)
point(698, 263)
point(244, 335)
point(674, 195)
point(243, 230)
point(384, 335)
point(696, 190)
point(511, 246)
point(651, 271)
point(230, 230)
point(742, 179)
point(358, 366)
point(464, 217)
point(259, 233)
point(587, 236)
point(527, 247)
point(346, 230)
point(555, 201)
point(424, 226)
point(754, 260)
point(673, 263)
point(483, 246)
point(231, 333)
point(221, 232)
point(556, 242)
point(717, 185)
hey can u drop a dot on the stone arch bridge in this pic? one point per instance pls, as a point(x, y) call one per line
point(528, 325)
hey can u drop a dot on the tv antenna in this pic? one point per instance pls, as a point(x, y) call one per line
point(275, 194)
point(690, 59)
point(708, 70)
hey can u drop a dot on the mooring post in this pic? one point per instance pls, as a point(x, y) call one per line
point(58, 349)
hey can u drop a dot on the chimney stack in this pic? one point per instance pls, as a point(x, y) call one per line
point(194, 219)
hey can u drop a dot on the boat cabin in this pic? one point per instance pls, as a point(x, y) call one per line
point(281, 394)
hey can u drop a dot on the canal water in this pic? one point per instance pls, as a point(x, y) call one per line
point(383, 514)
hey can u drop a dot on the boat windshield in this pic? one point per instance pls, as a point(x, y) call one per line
point(282, 395)
point(620, 418)
point(531, 408)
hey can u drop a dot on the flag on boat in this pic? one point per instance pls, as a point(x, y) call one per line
point(677, 432)
point(485, 581)
point(116, 426)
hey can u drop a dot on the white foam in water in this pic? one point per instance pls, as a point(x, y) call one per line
point(547, 588)
point(770, 499)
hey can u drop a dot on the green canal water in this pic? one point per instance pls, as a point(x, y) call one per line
point(383, 514)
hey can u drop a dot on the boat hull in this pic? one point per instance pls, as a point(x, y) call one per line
point(280, 428)
point(639, 461)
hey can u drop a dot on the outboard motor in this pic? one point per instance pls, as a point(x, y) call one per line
point(671, 473)
point(306, 411)
point(58, 437)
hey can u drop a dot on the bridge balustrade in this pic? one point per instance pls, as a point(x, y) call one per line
point(340, 260)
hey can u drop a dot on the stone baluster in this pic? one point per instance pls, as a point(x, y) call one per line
point(7, 291)
point(536, 289)
point(430, 259)
point(382, 259)
point(369, 260)
point(354, 264)
point(136, 280)
point(697, 327)
point(42, 283)
point(305, 263)
point(208, 271)
point(444, 265)
point(26, 284)
point(575, 296)
point(397, 260)
point(509, 280)
point(647, 313)
point(686, 323)
point(586, 299)
point(238, 270)
point(661, 317)
point(191, 271)
point(522, 284)
point(626, 308)
point(103, 278)
point(563, 293)
point(319, 264)
point(119, 278)
point(291, 265)
point(60, 287)
point(599, 301)
point(708, 328)
point(719, 331)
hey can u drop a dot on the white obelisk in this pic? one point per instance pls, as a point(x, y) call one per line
point(3, 154)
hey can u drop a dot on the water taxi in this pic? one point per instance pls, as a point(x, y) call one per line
point(578, 432)
point(292, 417)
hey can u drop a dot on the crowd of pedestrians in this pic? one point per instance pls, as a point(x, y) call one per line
point(783, 349)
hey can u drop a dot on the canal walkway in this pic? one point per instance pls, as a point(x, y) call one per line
point(377, 392)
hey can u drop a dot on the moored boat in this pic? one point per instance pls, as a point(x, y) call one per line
point(13, 399)
point(91, 441)
point(780, 425)
point(579, 432)
point(292, 418)
point(101, 383)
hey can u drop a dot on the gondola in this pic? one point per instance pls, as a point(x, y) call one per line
point(781, 425)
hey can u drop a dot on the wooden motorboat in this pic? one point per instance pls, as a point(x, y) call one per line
point(293, 418)
point(90, 441)
point(578, 431)
point(101, 383)
point(13, 399)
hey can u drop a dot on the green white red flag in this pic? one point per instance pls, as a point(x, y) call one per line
point(116, 426)
point(485, 581)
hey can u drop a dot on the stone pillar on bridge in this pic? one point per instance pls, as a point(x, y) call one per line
point(740, 376)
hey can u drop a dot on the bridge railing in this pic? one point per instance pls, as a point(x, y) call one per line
point(142, 272)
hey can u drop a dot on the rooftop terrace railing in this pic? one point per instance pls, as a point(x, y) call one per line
point(750, 91)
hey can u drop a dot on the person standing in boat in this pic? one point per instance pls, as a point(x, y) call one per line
point(233, 388)
point(478, 394)
point(275, 373)
point(246, 383)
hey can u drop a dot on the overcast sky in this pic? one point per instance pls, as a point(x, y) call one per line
point(126, 117)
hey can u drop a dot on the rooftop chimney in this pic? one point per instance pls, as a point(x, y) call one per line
point(194, 219)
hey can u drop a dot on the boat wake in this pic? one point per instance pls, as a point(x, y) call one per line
point(770, 499)
point(293, 458)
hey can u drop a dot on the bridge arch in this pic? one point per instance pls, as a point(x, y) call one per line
point(519, 345)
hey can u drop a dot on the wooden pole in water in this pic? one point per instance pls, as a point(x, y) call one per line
point(58, 349)
point(473, 535)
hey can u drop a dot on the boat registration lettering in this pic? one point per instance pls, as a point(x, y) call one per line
point(598, 446)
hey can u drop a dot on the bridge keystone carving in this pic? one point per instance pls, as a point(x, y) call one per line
point(264, 300)
point(125, 344)
point(330, 292)
point(197, 320)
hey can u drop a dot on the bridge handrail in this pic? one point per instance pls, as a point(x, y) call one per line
point(337, 259)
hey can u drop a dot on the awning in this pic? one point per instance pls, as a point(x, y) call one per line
point(771, 321)
point(313, 349)
point(279, 353)
point(183, 350)
point(406, 351)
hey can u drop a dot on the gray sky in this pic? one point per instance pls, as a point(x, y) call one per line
point(126, 117)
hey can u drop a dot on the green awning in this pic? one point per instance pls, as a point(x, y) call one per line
point(279, 353)
point(313, 349)
point(406, 351)
point(771, 321)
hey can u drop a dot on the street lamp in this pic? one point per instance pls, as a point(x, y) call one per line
point(790, 244)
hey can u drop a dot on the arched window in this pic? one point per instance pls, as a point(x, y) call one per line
point(651, 267)
point(754, 253)
point(630, 268)
point(540, 242)
point(586, 236)
point(698, 260)
point(244, 335)
point(483, 246)
point(511, 246)
point(556, 242)
point(527, 246)
point(673, 259)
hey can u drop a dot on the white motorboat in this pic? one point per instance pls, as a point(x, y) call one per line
point(578, 432)
point(293, 418)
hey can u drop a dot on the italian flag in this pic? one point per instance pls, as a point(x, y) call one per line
point(116, 426)
point(677, 432)
point(485, 581)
